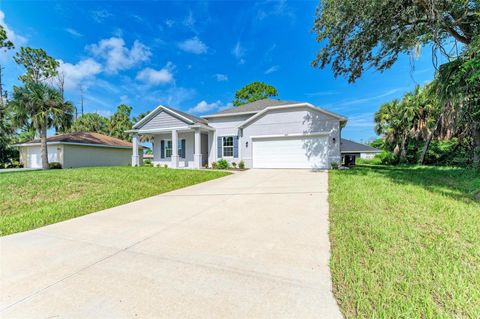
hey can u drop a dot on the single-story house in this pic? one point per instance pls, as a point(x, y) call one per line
point(352, 150)
point(263, 134)
point(79, 149)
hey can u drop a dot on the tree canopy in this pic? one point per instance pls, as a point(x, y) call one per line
point(90, 122)
point(362, 34)
point(253, 92)
point(38, 64)
point(4, 42)
point(120, 122)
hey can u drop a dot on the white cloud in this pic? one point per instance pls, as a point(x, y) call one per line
point(221, 77)
point(17, 40)
point(77, 74)
point(275, 9)
point(272, 69)
point(322, 93)
point(204, 106)
point(239, 52)
point(361, 120)
point(372, 98)
point(189, 20)
point(193, 45)
point(156, 77)
point(169, 23)
point(73, 32)
point(117, 56)
point(100, 15)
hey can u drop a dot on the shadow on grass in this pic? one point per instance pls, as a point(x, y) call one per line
point(458, 183)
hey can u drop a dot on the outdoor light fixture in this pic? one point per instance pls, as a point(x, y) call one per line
point(246, 144)
point(334, 140)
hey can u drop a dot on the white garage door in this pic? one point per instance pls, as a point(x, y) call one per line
point(35, 156)
point(290, 152)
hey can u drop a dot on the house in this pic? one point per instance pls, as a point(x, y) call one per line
point(263, 134)
point(351, 150)
point(79, 149)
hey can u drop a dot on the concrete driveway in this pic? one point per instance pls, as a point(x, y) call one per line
point(250, 245)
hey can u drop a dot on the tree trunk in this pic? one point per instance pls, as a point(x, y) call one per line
point(403, 153)
point(421, 160)
point(43, 146)
point(476, 146)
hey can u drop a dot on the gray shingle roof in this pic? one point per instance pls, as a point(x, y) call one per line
point(253, 107)
point(193, 118)
point(347, 146)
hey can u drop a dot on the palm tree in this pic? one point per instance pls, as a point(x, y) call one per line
point(42, 107)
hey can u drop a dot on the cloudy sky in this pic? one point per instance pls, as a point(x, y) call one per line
point(194, 56)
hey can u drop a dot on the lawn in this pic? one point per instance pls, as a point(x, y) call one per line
point(406, 242)
point(33, 199)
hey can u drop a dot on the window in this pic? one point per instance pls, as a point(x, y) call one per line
point(228, 146)
point(168, 148)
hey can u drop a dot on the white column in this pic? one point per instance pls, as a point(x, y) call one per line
point(135, 157)
point(174, 149)
point(197, 155)
point(211, 150)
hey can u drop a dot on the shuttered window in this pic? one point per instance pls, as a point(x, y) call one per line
point(228, 146)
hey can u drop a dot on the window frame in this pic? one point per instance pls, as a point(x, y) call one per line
point(224, 139)
point(179, 150)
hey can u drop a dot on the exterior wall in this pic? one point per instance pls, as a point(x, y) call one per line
point(293, 121)
point(55, 154)
point(225, 126)
point(163, 120)
point(189, 149)
point(83, 156)
point(368, 155)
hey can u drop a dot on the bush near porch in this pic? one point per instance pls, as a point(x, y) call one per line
point(32, 199)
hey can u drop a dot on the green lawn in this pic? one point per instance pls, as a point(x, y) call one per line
point(33, 199)
point(406, 242)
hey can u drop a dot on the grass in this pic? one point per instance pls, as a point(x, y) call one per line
point(32, 199)
point(406, 242)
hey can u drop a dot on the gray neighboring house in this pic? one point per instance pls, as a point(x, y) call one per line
point(79, 149)
point(351, 150)
point(264, 134)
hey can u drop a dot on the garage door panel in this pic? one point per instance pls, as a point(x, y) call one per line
point(298, 152)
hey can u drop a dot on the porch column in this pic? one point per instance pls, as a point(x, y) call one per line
point(211, 150)
point(174, 163)
point(197, 155)
point(135, 157)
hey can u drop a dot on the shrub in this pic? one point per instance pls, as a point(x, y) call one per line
point(214, 165)
point(334, 165)
point(387, 158)
point(222, 164)
point(234, 165)
point(241, 165)
point(165, 165)
point(147, 161)
point(54, 165)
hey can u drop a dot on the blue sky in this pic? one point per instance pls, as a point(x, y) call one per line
point(194, 56)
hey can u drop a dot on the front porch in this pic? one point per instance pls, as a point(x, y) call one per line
point(192, 149)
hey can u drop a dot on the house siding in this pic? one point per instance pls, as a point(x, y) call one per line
point(225, 126)
point(85, 156)
point(54, 152)
point(163, 120)
point(292, 121)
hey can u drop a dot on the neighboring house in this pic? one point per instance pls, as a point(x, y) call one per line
point(263, 134)
point(77, 150)
point(352, 150)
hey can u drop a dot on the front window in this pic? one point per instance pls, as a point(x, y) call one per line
point(228, 146)
point(168, 148)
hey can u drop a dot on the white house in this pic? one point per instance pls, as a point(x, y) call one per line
point(263, 134)
point(79, 149)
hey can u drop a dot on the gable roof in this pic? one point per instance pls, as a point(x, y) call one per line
point(187, 118)
point(89, 138)
point(347, 146)
point(253, 107)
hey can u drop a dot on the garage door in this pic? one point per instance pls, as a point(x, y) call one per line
point(290, 152)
